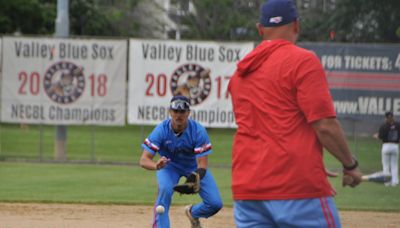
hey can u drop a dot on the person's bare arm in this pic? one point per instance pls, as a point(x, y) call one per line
point(202, 162)
point(331, 136)
point(330, 173)
point(146, 161)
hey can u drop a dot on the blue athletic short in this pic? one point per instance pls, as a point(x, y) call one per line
point(307, 213)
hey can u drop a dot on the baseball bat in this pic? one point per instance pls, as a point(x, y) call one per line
point(378, 177)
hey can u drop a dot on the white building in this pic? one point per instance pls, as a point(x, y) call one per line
point(161, 18)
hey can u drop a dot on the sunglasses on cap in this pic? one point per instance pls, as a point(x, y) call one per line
point(180, 105)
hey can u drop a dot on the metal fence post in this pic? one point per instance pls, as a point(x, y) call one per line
point(62, 30)
point(40, 142)
point(93, 154)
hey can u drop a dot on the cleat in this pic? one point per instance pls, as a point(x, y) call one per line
point(195, 222)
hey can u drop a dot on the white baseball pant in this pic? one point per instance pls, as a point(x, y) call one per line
point(390, 158)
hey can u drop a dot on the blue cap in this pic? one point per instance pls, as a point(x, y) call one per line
point(180, 103)
point(277, 13)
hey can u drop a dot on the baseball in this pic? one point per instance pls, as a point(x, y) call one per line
point(160, 209)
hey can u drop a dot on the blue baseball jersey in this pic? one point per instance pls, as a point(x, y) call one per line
point(183, 149)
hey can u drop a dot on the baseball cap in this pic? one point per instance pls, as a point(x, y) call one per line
point(180, 103)
point(276, 13)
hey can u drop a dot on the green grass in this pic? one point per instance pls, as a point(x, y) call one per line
point(105, 184)
point(108, 184)
point(26, 182)
point(117, 144)
point(104, 144)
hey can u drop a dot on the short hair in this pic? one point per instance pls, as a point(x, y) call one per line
point(388, 114)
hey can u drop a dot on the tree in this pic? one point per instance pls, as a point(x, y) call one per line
point(87, 17)
point(347, 21)
point(355, 21)
point(102, 17)
point(26, 16)
point(222, 20)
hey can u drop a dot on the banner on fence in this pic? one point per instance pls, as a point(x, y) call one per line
point(63, 81)
point(364, 78)
point(200, 70)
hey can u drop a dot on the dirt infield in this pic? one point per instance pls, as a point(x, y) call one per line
point(28, 215)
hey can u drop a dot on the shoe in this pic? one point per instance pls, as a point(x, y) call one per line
point(195, 222)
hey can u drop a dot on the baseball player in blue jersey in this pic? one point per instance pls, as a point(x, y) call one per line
point(183, 146)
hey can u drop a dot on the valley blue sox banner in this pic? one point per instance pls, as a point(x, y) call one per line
point(159, 69)
point(63, 81)
point(364, 79)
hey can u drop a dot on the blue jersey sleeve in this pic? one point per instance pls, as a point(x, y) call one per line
point(203, 144)
point(153, 142)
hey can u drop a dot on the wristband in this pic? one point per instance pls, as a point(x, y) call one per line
point(201, 172)
point(352, 167)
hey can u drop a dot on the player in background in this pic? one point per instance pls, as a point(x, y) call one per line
point(183, 145)
point(285, 116)
point(389, 134)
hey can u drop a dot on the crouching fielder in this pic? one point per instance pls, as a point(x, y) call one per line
point(183, 146)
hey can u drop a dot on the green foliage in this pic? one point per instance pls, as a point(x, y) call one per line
point(26, 16)
point(102, 18)
point(354, 21)
point(87, 17)
point(222, 20)
point(350, 20)
point(314, 26)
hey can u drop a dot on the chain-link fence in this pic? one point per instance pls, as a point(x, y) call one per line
point(91, 144)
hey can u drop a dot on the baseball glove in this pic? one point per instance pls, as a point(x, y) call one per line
point(191, 185)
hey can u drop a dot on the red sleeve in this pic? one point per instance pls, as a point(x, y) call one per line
point(313, 94)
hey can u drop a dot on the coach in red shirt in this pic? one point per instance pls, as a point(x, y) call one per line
point(285, 117)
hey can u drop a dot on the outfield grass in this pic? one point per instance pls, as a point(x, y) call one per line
point(105, 184)
point(78, 183)
point(122, 144)
point(117, 144)
point(105, 144)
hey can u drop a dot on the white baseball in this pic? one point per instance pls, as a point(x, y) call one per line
point(160, 209)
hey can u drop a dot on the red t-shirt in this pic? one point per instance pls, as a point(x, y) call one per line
point(277, 91)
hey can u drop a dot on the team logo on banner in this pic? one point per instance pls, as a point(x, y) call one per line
point(192, 81)
point(64, 82)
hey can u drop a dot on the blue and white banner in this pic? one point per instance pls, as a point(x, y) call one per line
point(200, 70)
point(63, 81)
point(364, 78)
